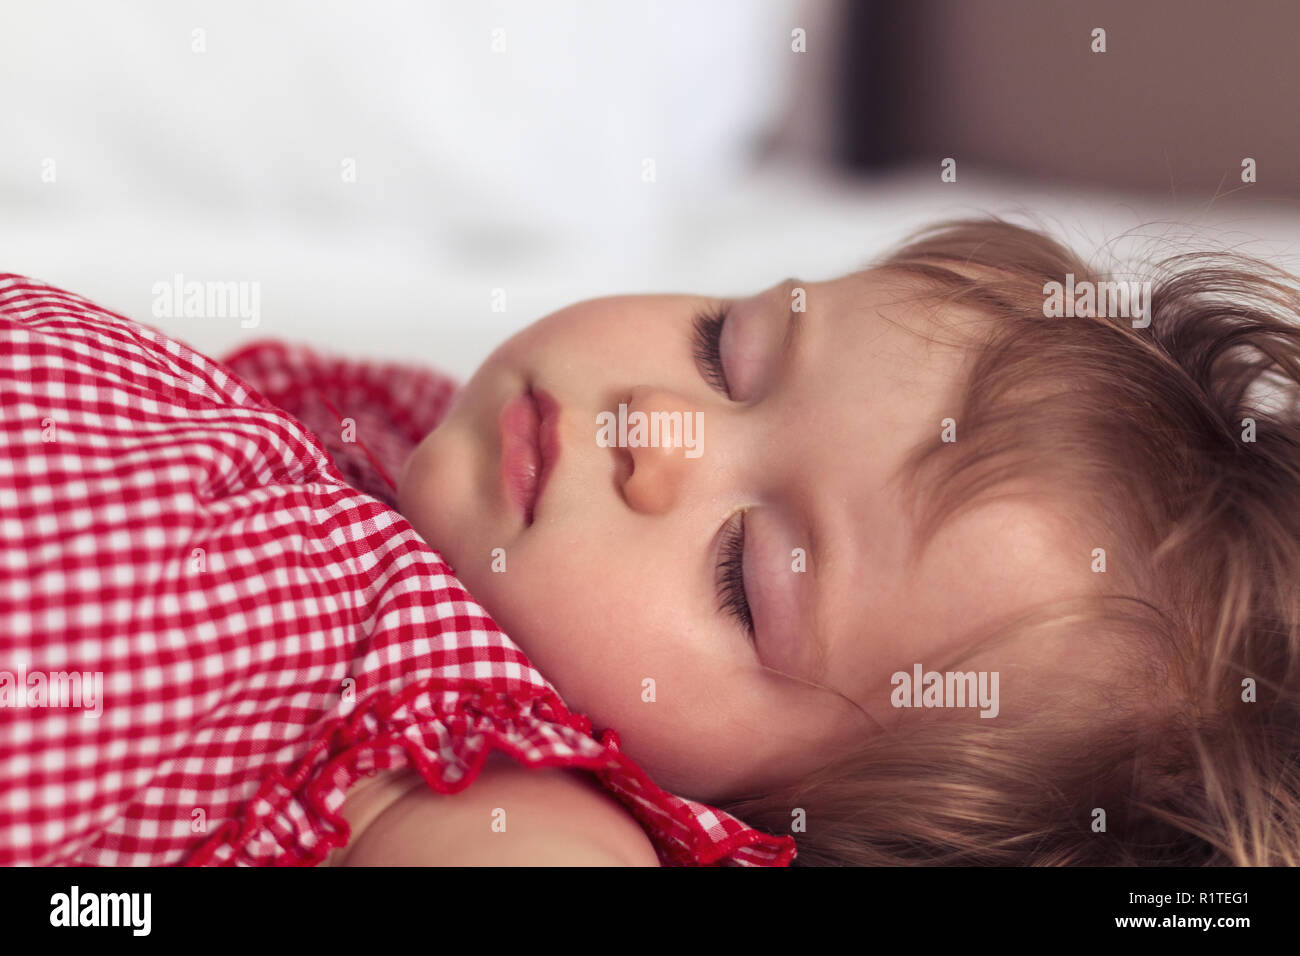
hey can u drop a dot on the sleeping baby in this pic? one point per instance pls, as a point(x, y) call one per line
point(914, 565)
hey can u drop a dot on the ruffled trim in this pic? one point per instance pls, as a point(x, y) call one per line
point(344, 374)
point(636, 790)
point(446, 728)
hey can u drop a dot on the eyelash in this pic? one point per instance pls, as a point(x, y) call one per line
point(730, 576)
point(706, 343)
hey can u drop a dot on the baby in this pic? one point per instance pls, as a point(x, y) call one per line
point(975, 556)
point(939, 575)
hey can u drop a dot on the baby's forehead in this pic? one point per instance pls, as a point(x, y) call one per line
point(928, 307)
point(887, 372)
point(891, 382)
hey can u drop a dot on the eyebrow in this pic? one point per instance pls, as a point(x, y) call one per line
point(806, 517)
point(794, 324)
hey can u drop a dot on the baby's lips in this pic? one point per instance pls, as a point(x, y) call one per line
point(520, 455)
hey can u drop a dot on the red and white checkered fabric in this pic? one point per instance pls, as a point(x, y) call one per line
point(267, 627)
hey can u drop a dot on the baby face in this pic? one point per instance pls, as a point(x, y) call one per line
point(735, 609)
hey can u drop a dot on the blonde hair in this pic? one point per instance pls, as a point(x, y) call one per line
point(1193, 751)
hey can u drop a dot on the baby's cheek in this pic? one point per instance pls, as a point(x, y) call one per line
point(602, 643)
point(432, 492)
point(610, 628)
point(585, 640)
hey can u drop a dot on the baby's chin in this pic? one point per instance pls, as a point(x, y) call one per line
point(436, 517)
point(426, 499)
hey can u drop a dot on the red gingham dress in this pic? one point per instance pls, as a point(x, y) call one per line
point(268, 628)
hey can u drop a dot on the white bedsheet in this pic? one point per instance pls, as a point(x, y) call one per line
point(477, 171)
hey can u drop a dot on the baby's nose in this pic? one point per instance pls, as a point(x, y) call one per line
point(664, 436)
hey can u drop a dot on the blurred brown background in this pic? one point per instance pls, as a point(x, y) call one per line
point(1185, 90)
